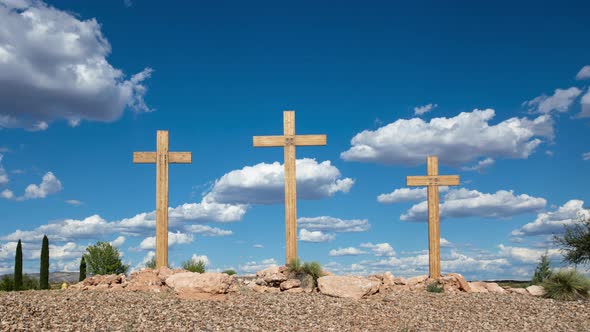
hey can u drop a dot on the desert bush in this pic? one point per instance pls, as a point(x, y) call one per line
point(435, 287)
point(566, 285)
point(44, 267)
point(542, 271)
point(194, 265)
point(229, 272)
point(301, 271)
point(313, 269)
point(18, 267)
point(151, 264)
point(294, 266)
point(28, 282)
point(103, 258)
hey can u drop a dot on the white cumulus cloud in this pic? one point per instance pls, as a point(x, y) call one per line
point(326, 223)
point(460, 203)
point(207, 230)
point(406, 195)
point(53, 65)
point(118, 241)
point(480, 166)
point(49, 185)
point(586, 155)
point(585, 102)
point(560, 101)
point(458, 140)
point(379, 249)
point(3, 175)
point(419, 110)
point(315, 236)
point(149, 243)
point(350, 251)
point(264, 183)
point(584, 73)
point(548, 223)
point(254, 266)
point(527, 255)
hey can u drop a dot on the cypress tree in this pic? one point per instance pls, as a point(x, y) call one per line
point(82, 269)
point(44, 273)
point(18, 267)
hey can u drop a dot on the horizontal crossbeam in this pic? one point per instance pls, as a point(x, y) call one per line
point(281, 140)
point(173, 157)
point(432, 180)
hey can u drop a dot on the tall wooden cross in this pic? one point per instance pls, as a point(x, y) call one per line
point(433, 181)
point(289, 140)
point(162, 158)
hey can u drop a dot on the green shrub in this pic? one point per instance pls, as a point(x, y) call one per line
point(28, 282)
point(44, 268)
point(103, 258)
point(194, 265)
point(542, 271)
point(151, 264)
point(18, 267)
point(566, 285)
point(313, 269)
point(435, 287)
point(302, 271)
point(229, 272)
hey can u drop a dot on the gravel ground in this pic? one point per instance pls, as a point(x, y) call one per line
point(247, 311)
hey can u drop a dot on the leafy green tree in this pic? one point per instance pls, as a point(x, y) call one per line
point(194, 265)
point(103, 258)
point(7, 283)
point(575, 242)
point(82, 269)
point(542, 271)
point(18, 267)
point(44, 270)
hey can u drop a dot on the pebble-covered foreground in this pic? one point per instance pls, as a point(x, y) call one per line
point(248, 311)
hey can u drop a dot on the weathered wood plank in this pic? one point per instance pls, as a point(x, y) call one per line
point(268, 141)
point(144, 157)
point(290, 188)
point(180, 157)
point(433, 220)
point(438, 180)
point(310, 140)
point(162, 199)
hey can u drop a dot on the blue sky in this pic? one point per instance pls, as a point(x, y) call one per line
point(499, 91)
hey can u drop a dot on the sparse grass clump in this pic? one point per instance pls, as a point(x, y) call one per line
point(306, 272)
point(435, 287)
point(151, 264)
point(194, 265)
point(229, 272)
point(566, 285)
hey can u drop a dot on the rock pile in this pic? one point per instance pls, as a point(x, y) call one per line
point(276, 279)
point(185, 284)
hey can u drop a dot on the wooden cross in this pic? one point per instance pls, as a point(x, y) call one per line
point(162, 158)
point(289, 140)
point(433, 181)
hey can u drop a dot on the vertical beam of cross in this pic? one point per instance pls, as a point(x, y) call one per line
point(289, 141)
point(162, 157)
point(433, 181)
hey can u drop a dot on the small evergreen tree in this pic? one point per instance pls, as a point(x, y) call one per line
point(542, 271)
point(44, 270)
point(103, 258)
point(18, 267)
point(82, 269)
